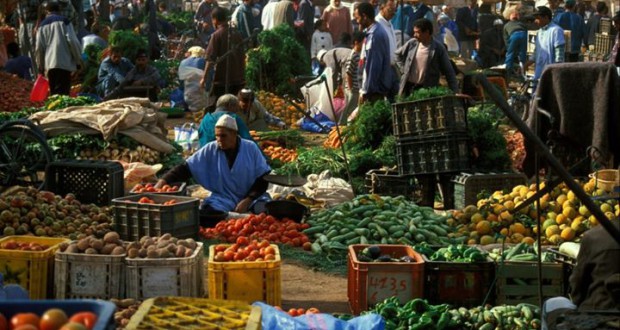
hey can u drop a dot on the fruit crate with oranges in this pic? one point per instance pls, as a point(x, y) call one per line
point(89, 276)
point(176, 189)
point(517, 281)
point(195, 313)
point(91, 181)
point(29, 261)
point(371, 282)
point(104, 310)
point(179, 217)
point(246, 280)
point(148, 278)
point(467, 186)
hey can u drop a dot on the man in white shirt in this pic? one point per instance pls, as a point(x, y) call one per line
point(387, 10)
point(267, 15)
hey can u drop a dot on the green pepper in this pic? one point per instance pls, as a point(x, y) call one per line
point(444, 321)
point(417, 306)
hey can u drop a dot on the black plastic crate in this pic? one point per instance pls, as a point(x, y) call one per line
point(429, 116)
point(132, 220)
point(441, 153)
point(465, 284)
point(467, 186)
point(91, 181)
point(390, 183)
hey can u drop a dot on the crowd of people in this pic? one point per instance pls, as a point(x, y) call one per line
point(390, 60)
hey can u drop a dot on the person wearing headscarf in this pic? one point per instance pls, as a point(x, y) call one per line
point(338, 19)
point(231, 168)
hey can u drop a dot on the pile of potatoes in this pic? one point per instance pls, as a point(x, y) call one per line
point(164, 246)
point(111, 244)
point(125, 308)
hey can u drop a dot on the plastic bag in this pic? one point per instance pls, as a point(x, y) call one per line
point(186, 136)
point(272, 319)
point(195, 96)
point(311, 126)
point(330, 190)
point(40, 90)
point(137, 172)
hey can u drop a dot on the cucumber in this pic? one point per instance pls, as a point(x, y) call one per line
point(395, 228)
point(361, 231)
point(364, 223)
point(398, 234)
point(354, 240)
point(316, 248)
point(332, 233)
point(314, 230)
point(363, 240)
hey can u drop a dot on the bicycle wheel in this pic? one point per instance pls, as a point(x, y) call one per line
point(24, 153)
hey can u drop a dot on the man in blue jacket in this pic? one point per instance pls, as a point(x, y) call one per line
point(569, 20)
point(375, 57)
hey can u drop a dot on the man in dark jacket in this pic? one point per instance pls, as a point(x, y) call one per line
point(597, 265)
point(422, 61)
point(305, 21)
point(467, 21)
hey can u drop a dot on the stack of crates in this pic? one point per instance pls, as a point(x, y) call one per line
point(431, 136)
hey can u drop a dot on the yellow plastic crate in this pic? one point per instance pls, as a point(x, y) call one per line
point(195, 313)
point(248, 281)
point(33, 270)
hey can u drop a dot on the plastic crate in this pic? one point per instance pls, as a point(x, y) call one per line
point(181, 192)
point(433, 154)
point(148, 278)
point(195, 313)
point(103, 309)
point(467, 186)
point(429, 116)
point(372, 282)
point(33, 270)
point(517, 282)
point(91, 181)
point(248, 281)
point(90, 276)
point(132, 220)
point(603, 43)
point(389, 183)
point(458, 283)
point(605, 25)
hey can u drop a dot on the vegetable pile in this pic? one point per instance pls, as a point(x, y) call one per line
point(281, 154)
point(372, 219)
point(56, 102)
point(51, 319)
point(150, 188)
point(453, 253)
point(164, 246)
point(373, 253)
point(244, 250)
point(261, 227)
point(419, 314)
point(125, 308)
point(111, 244)
point(43, 213)
point(519, 252)
point(15, 93)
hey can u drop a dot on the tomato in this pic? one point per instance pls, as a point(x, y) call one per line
point(219, 257)
point(270, 250)
point(301, 311)
point(242, 240)
point(24, 318)
point(220, 248)
point(307, 246)
point(292, 312)
point(313, 310)
point(53, 319)
point(270, 257)
point(73, 326)
point(4, 324)
point(88, 319)
point(229, 255)
point(26, 327)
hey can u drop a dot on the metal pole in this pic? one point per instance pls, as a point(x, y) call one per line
point(553, 162)
point(402, 22)
point(344, 152)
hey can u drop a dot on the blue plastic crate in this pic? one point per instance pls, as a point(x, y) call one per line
point(104, 309)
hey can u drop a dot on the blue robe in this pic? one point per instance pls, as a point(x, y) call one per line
point(228, 186)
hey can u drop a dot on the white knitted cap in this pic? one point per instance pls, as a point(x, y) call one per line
point(227, 121)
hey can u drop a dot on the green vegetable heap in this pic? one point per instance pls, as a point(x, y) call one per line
point(372, 219)
point(419, 314)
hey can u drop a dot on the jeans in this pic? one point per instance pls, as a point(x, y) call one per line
point(517, 46)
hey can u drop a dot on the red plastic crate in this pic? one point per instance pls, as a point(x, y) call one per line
point(371, 282)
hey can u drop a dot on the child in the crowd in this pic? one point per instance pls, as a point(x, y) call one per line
point(321, 39)
point(353, 78)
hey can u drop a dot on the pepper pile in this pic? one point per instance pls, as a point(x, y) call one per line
point(452, 253)
point(419, 314)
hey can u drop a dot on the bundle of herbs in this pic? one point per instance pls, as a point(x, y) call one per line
point(490, 150)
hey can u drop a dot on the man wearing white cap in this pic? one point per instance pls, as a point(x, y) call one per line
point(230, 167)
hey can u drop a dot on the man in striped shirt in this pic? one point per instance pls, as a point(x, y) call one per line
point(352, 77)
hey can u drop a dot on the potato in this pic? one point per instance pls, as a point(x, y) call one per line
point(63, 246)
point(163, 253)
point(83, 244)
point(119, 250)
point(133, 253)
point(72, 248)
point(171, 248)
point(180, 252)
point(152, 253)
point(165, 237)
point(96, 244)
point(142, 253)
point(111, 237)
point(192, 243)
point(162, 244)
point(91, 251)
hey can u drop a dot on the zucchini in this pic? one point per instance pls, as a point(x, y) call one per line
point(314, 230)
point(354, 240)
point(361, 231)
